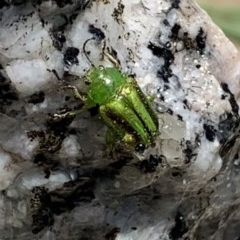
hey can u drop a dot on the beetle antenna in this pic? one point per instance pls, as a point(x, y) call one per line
point(85, 52)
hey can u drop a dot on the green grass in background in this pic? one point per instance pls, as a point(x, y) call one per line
point(228, 19)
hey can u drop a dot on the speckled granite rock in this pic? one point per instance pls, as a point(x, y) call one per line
point(60, 180)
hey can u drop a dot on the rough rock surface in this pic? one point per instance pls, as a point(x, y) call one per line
point(59, 179)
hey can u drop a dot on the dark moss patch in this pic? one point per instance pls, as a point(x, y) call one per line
point(45, 204)
point(42, 216)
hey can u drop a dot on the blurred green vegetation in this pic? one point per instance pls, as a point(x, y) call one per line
point(227, 18)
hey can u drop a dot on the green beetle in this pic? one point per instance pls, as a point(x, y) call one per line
point(122, 106)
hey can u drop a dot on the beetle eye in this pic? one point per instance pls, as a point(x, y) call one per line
point(140, 148)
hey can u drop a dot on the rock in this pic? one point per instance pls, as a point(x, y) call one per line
point(59, 177)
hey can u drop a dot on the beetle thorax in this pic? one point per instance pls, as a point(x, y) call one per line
point(104, 83)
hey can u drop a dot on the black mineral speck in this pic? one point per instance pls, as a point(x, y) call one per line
point(58, 40)
point(67, 98)
point(175, 3)
point(188, 152)
point(150, 165)
point(223, 97)
point(176, 174)
point(72, 18)
point(164, 74)
point(180, 118)
point(163, 52)
point(210, 132)
point(37, 98)
point(201, 41)
point(165, 22)
point(70, 56)
point(97, 32)
point(232, 99)
point(179, 228)
point(187, 41)
point(185, 102)
point(166, 87)
point(170, 111)
point(174, 31)
point(228, 123)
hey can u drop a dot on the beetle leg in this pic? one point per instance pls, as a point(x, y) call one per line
point(116, 130)
point(76, 93)
point(69, 114)
point(72, 113)
point(111, 137)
